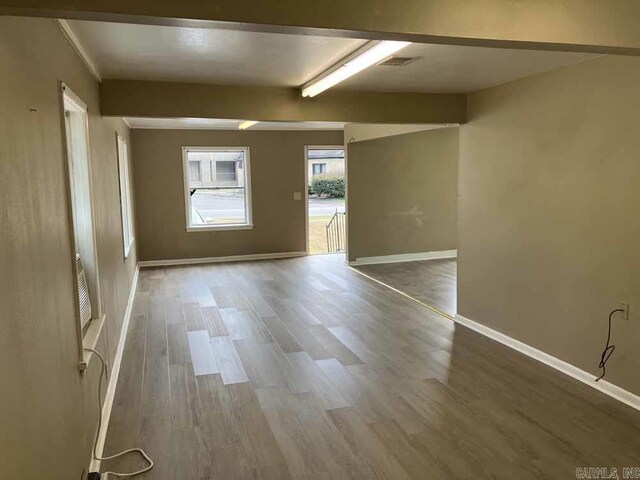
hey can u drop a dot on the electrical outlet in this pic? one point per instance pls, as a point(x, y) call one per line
point(624, 306)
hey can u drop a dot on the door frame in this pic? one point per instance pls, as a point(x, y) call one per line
point(306, 185)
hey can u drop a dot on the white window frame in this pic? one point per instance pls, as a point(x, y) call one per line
point(248, 225)
point(89, 334)
point(126, 201)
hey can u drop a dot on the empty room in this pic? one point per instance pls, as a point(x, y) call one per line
point(280, 240)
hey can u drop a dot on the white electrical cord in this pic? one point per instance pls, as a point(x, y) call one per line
point(105, 475)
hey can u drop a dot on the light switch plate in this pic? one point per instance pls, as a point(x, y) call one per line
point(297, 195)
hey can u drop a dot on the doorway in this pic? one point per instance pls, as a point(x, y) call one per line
point(403, 211)
point(325, 199)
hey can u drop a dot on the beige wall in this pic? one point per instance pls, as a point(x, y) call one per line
point(549, 216)
point(277, 170)
point(135, 98)
point(402, 194)
point(47, 410)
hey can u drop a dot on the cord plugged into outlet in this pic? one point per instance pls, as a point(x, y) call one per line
point(623, 313)
point(624, 310)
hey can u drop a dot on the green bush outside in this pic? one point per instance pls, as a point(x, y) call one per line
point(328, 186)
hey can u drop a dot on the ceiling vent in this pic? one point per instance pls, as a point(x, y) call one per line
point(397, 61)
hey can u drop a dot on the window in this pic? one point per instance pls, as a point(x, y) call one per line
point(88, 311)
point(126, 201)
point(226, 171)
point(223, 201)
point(319, 168)
point(195, 171)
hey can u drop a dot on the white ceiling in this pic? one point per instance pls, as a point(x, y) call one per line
point(203, 55)
point(144, 52)
point(219, 124)
point(457, 69)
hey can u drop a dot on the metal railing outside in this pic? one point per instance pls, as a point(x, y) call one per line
point(336, 233)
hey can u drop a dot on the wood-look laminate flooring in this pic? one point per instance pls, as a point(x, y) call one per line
point(432, 282)
point(305, 369)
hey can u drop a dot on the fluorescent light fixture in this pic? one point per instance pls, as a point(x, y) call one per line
point(370, 56)
point(246, 124)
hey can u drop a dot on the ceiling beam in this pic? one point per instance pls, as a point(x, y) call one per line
point(134, 98)
point(598, 26)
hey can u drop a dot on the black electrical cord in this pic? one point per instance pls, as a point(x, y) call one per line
point(608, 349)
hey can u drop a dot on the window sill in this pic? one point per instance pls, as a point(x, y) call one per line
point(90, 340)
point(220, 228)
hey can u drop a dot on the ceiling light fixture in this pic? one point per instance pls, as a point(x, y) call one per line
point(371, 54)
point(246, 124)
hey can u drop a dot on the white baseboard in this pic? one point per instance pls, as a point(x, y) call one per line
point(232, 258)
point(404, 257)
point(587, 378)
point(114, 371)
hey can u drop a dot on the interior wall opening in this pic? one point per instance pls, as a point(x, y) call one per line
point(402, 220)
